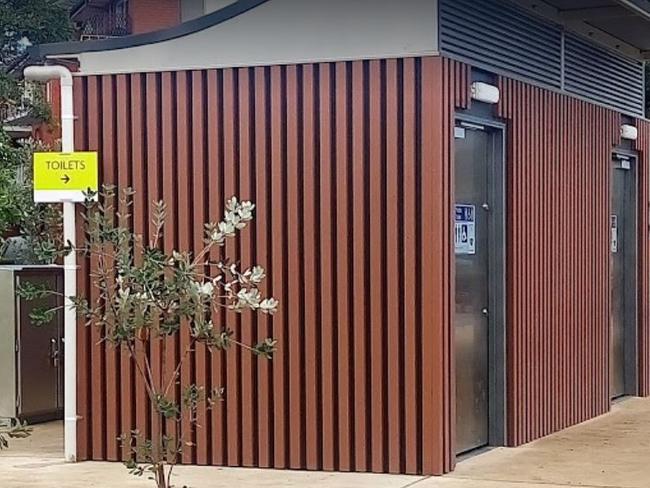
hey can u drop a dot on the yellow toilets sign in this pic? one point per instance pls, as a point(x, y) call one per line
point(64, 177)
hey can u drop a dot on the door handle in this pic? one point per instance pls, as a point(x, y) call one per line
point(485, 312)
point(54, 353)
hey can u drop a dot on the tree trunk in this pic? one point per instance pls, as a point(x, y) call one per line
point(161, 479)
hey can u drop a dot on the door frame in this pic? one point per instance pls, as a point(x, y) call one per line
point(497, 264)
point(631, 347)
point(22, 382)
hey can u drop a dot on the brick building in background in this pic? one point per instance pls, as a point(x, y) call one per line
point(107, 19)
point(100, 19)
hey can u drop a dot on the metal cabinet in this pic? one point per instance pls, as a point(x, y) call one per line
point(31, 357)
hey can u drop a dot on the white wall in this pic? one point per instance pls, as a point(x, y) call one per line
point(287, 32)
point(212, 5)
point(191, 9)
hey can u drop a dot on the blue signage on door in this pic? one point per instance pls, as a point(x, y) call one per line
point(465, 229)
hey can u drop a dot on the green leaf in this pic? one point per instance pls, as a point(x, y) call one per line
point(33, 291)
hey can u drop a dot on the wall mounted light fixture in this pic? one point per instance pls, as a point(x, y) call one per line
point(629, 132)
point(484, 92)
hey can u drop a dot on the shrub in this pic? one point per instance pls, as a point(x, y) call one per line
point(145, 294)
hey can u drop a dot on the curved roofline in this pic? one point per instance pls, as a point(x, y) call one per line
point(184, 29)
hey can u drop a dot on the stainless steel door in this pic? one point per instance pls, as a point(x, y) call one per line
point(623, 277)
point(471, 319)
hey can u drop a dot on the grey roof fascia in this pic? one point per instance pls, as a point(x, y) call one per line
point(69, 48)
point(641, 7)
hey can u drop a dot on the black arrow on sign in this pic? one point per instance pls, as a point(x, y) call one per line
point(65, 179)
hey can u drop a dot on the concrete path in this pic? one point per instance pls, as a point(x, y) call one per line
point(612, 451)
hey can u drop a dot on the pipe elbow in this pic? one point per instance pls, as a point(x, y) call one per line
point(48, 73)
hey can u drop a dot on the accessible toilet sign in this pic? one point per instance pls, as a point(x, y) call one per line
point(465, 235)
point(64, 177)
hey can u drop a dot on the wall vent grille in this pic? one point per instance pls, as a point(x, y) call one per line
point(500, 37)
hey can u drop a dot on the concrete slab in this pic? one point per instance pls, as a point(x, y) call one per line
point(46, 441)
point(612, 451)
point(36, 462)
point(46, 473)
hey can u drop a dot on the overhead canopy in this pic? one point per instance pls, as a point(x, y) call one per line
point(264, 33)
point(623, 25)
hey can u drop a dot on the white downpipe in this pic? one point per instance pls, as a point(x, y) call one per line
point(46, 73)
point(70, 285)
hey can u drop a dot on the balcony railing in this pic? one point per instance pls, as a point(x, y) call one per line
point(9, 113)
point(12, 114)
point(105, 25)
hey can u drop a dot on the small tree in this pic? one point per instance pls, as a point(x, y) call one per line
point(145, 294)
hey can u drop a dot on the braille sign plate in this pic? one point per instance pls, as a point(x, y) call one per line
point(64, 177)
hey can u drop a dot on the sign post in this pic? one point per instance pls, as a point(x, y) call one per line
point(44, 74)
point(65, 178)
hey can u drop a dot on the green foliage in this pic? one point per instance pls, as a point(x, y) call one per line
point(167, 408)
point(39, 224)
point(12, 192)
point(153, 291)
point(32, 291)
point(18, 430)
point(27, 96)
point(11, 91)
point(24, 22)
point(147, 294)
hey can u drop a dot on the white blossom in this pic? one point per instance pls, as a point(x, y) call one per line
point(248, 298)
point(269, 305)
point(203, 289)
point(257, 274)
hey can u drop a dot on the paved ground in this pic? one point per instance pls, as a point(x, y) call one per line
point(612, 451)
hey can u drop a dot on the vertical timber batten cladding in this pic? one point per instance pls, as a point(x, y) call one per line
point(643, 148)
point(558, 164)
point(350, 165)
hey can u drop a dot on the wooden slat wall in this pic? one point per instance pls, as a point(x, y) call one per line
point(643, 148)
point(349, 166)
point(84, 343)
point(558, 199)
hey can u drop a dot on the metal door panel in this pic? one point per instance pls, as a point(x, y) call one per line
point(623, 277)
point(39, 363)
point(617, 229)
point(471, 294)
